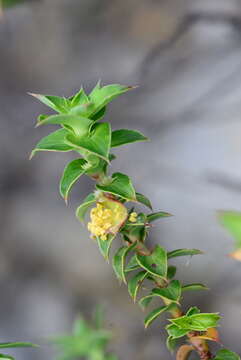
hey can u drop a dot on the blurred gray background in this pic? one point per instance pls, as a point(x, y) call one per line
point(186, 57)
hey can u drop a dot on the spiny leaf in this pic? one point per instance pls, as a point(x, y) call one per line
point(143, 200)
point(61, 105)
point(71, 174)
point(83, 208)
point(155, 263)
point(105, 245)
point(183, 252)
point(125, 136)
point(154, 315)
point(119, 261)
point(121, 185)
point(97, 142)
point(135, 283)
point(53, 142)
point(157, 215)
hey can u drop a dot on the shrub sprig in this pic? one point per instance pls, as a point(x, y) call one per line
point(83, 131)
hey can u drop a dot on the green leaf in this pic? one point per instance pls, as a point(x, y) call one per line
point(97, 142)
point(53, 142)
point(175, 332)
point(71, 174)
point(193, 310)
point(83, 208)
point(119, 261)
point(171, 272)
point(156, 263)
point(16, 345)
point(143, 200)
point(79, 98)
point(145, 301)
point(102, 96)
point(183, 252)
point(157, 215)
point(172, 292)
point(197, 322)
point(105, 245)
point(231, 220)
point(124, 136)
point(132, 264)
point(153, 315)
point(99, 115)
point(195, 286)
point(121, 185)
point(225, 354)
point(135, 283)
point(6, 357)
point(61, 105)
point(78, 125)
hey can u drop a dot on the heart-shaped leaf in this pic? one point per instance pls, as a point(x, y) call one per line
point(125, 136)
point(97, 142)
point(71, 174)
point(120, 185)
point(156, 263)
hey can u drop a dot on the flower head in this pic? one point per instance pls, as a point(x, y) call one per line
point(107, 218)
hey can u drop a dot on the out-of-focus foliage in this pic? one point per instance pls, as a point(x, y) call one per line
point(231, 220)
point(11, 345)
point(10, 3)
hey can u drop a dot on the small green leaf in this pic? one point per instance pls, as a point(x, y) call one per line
point(143, 200)
point(121, 185)
point(83, 208)
point(197, 322)
point(171, 272)
point(195, 286)
point(175, 332)
point(61, 105)
point(183, 252)
point(171, 293)
point(132, 264)
point(119, 261)
point(231, 220)
point(193, 310)
point(99, 115)
point(156, 263)
point(124, 136)
point(157, 215)
point(71, 174)
point(171, 343)
point(97, 142)
point(53, 142)
point(153, 315)
point(135, 283)
point(101, 96)
point(145, 301)
point(16, 345)
point(225, 354)
point(78, 125)
point(79, 98)
point(105, 245)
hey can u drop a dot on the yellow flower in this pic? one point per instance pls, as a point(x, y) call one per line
point(133, 217)
point(107, 218)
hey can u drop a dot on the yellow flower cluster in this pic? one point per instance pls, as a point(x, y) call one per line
point(107, 217)
point(133, 217)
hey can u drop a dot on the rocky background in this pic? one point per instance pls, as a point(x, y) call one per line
point(186, 57)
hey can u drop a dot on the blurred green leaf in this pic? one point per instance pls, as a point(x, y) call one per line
point(17, 345)
point(71, 174)
point(105, 245)
point(157, 215)
point(132, 264)
point(143, 200)
point(154, 314)
point(118, 262)
point(120, 185)
point(197, 322)
point(183, 252)
point(195, 286)
point(6, 357)
point(125, 136)
point(231, 220)
point(171, 272)
point(83, 208)
point(225, 354)
point(145, 301)
point(156, 263)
